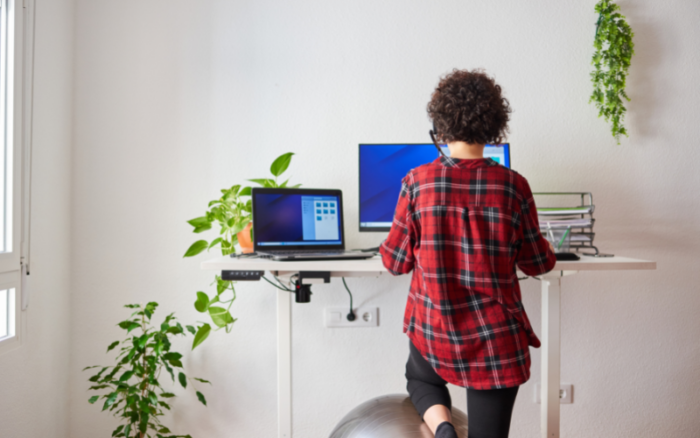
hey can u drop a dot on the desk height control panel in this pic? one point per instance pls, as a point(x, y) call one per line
point(241, 275)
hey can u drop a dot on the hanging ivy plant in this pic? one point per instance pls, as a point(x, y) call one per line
point(613, 52)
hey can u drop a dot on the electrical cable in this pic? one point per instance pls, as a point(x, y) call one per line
point(351, 316)
point(281, 284)
point(278, 287)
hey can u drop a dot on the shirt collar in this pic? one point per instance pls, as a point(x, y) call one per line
point(475, 163)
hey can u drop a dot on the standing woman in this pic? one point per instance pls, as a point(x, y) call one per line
point(462, 224)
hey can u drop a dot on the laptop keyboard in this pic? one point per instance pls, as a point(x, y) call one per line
point(296, 251)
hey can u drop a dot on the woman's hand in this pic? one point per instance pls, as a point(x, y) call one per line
point(551, 246)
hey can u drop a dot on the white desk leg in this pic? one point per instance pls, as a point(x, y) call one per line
point(551, 354)
point(284, 363)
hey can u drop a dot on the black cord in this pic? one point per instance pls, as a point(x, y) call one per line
point(351, 316)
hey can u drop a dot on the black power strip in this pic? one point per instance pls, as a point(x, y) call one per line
point(241, 275)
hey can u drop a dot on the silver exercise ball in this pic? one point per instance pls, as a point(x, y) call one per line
point(390, 416)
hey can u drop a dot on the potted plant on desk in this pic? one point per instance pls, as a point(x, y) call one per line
point(232, 215)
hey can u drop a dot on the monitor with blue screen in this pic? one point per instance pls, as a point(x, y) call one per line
point(383, 166)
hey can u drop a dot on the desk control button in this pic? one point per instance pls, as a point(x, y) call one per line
point(241, 275)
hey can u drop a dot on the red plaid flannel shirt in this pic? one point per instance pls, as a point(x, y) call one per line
point(462, 226)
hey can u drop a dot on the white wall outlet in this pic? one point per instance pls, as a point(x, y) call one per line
point(566, 393)
point(364, 317)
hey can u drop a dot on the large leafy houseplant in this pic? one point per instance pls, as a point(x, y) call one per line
point(231, 214)
point(613, 54)
point(132, 388)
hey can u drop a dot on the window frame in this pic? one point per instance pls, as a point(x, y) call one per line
point(17, 42)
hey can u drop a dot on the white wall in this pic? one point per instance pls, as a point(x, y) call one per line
point(176, 99)
point(34, 389)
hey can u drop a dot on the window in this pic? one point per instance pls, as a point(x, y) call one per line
point(7, 323)
point(15, 63)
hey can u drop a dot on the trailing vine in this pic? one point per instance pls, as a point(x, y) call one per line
point(613, 53)
point(229, 215)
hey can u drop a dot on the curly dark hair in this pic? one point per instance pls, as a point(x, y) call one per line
point(468, 106)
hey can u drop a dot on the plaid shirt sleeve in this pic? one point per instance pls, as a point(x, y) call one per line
point(535, 256)
point(397, 250)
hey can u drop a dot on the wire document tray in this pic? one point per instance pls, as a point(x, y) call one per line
point(569, 209)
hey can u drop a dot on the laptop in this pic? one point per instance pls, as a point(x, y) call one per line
point(300, 224)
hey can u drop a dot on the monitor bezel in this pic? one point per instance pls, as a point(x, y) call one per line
point(362, 229)
point(306, 192)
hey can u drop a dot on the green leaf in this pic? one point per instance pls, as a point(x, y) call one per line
point(264, 182)
point(196, 248)
point(202, 302)
point(221, 285)
point(245, 191)
point(167, 395)
point(239, 225)
point(199, 221)
point(281, 164)
point(172, 355)
point(248, 207)
point(202, 334)
point(164, 430)
point(110, 400)
point(133, 326)
point(202, 228)
point(117, 430)
point(125, 324)
point(175, 363)
point(177, 330)
point(170, 371)
point(183, 380)
point(202, 380)
point(191, 329)
point(142, 340)
point(112, 345)
point(201, 398)
point(216, 310)
point(222, 319)
point(94, 366)
point(126, 376)
point(214, 242)
point(93, 399)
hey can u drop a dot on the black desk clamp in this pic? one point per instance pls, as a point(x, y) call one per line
point(302, 290)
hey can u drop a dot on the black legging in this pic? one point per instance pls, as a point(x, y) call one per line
point(489, 411)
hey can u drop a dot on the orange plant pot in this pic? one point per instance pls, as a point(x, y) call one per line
point(244, 240)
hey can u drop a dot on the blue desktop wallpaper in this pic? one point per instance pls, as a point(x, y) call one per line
point(383, 166)
point(279, 218)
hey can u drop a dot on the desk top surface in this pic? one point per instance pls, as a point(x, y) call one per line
point(374, 264)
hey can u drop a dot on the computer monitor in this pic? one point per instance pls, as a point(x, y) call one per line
point(383, 166)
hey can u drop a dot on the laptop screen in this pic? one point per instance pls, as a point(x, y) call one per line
point(301, 218)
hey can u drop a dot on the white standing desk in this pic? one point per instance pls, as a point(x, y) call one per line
point(551, 319)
